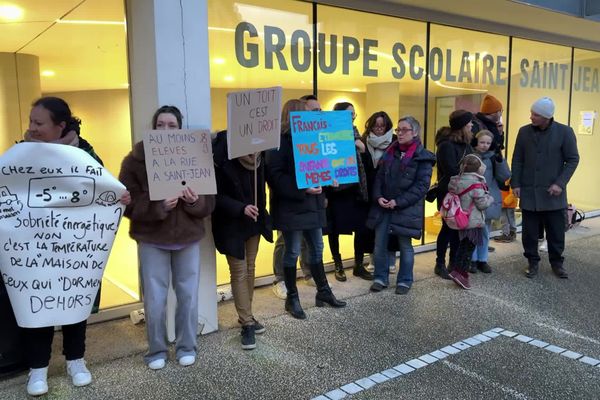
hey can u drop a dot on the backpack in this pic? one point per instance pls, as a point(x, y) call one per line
point(573, 217)
point(451, 211)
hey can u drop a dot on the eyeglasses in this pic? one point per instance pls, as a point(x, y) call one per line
point(403, 130)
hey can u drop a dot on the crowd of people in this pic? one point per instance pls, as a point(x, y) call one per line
point(384, 211)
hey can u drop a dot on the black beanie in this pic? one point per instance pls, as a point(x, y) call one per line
point(460, 121)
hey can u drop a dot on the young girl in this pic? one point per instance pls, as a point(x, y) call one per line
point(496, 171)
point(476, 199)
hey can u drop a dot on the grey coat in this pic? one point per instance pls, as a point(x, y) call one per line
point(496, 171)
point(542, 158)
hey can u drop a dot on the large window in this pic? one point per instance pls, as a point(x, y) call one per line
point(585, 104)
point(256, 44)
point(75, 50)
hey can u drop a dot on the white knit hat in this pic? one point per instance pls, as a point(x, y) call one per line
point(544, 107)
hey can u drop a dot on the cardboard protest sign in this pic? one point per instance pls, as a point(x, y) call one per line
point(323, 148)
point(253, 121)
point(59, 214)
point(176, 159)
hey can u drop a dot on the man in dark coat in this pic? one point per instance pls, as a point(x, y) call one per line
point(490, 117)
point(544, 160)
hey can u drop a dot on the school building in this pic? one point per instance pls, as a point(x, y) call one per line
point(116, 61)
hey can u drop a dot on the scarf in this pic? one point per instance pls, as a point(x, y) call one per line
point(248, 161)
point(378, 144)
point(407, 151)
point(71, 139)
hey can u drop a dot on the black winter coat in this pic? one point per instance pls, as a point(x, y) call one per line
point(480, 122)
point(448, 156)
point(291, 208)
point(235, 190)
point(408, 188)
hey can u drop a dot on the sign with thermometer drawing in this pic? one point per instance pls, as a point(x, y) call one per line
point(59, 214)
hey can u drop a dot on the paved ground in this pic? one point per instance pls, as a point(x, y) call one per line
point(508, 338)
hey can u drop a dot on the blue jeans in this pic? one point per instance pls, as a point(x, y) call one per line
point(293, 239)
point(481, 252)
point(381, 255)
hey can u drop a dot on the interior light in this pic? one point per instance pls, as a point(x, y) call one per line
point(10, 12)
point(88, 22)
point(125, 85)
point(228, 78)
point(355, 90)
point(48, 72)
point(218, 60)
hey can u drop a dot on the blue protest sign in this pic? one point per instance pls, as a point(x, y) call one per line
point(323, 148)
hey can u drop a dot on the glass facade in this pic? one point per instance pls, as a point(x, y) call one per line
point(400, 66)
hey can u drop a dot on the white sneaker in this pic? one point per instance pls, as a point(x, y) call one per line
point(393, 269)
point(187, 360)
point(79, 373)
point(369, 267)
point(280, 290)
point(157, 364)
point(37, 384)
point(543, 246)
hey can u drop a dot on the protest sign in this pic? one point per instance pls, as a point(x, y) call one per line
point(59, 214)
point(253, 121)
point(323, 148)
point(176, 159)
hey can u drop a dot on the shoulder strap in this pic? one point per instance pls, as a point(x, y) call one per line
point(472, 187)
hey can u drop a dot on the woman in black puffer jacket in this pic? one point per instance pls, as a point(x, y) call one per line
point(297, 213)
point(399, 191)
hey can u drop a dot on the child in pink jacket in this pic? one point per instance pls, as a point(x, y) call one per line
point(476, 200)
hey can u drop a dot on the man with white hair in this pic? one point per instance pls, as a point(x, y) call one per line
point(544, 160)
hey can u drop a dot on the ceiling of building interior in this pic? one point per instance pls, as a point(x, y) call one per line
point(72, 56)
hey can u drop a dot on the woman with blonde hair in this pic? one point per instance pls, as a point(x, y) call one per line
point(297, 213)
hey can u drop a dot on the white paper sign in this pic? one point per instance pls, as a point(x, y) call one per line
point(253, 121)
point(586, 122)
point(59, 214)
point(176, 159)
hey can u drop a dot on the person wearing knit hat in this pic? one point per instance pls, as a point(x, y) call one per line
point(490, 105)
point(452, 143)
point(543, 107)
point(544, 160)
point(489, 118)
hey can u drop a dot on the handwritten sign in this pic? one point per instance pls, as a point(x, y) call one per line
point(176, 159)
point(323, 148)
point(59, 214)
point(253, 121)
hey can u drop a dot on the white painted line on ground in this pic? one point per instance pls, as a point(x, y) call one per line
point(486, 380)
point(569, 333)
point(440, 354)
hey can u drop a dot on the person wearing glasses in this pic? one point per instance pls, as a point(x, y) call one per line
point(377, 137)
point(400, 187)
point(453, 143)
point(299, 214)
point(347, 209)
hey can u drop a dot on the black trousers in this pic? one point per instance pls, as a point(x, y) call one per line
point(464, 254)
point(554, 225)
point(38, 343)
point(445, 237)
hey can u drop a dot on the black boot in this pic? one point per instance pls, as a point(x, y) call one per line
point(440, 269)
point(360, 271)
point(473, 267)
point(324, 293)
point(340, 275)
point(532, 270)
point(292, 301)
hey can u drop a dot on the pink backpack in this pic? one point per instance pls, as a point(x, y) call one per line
point(451, 211)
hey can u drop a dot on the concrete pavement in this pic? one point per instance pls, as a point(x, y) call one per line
point(508, 338)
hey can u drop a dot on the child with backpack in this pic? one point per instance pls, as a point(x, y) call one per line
point(463, 209)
